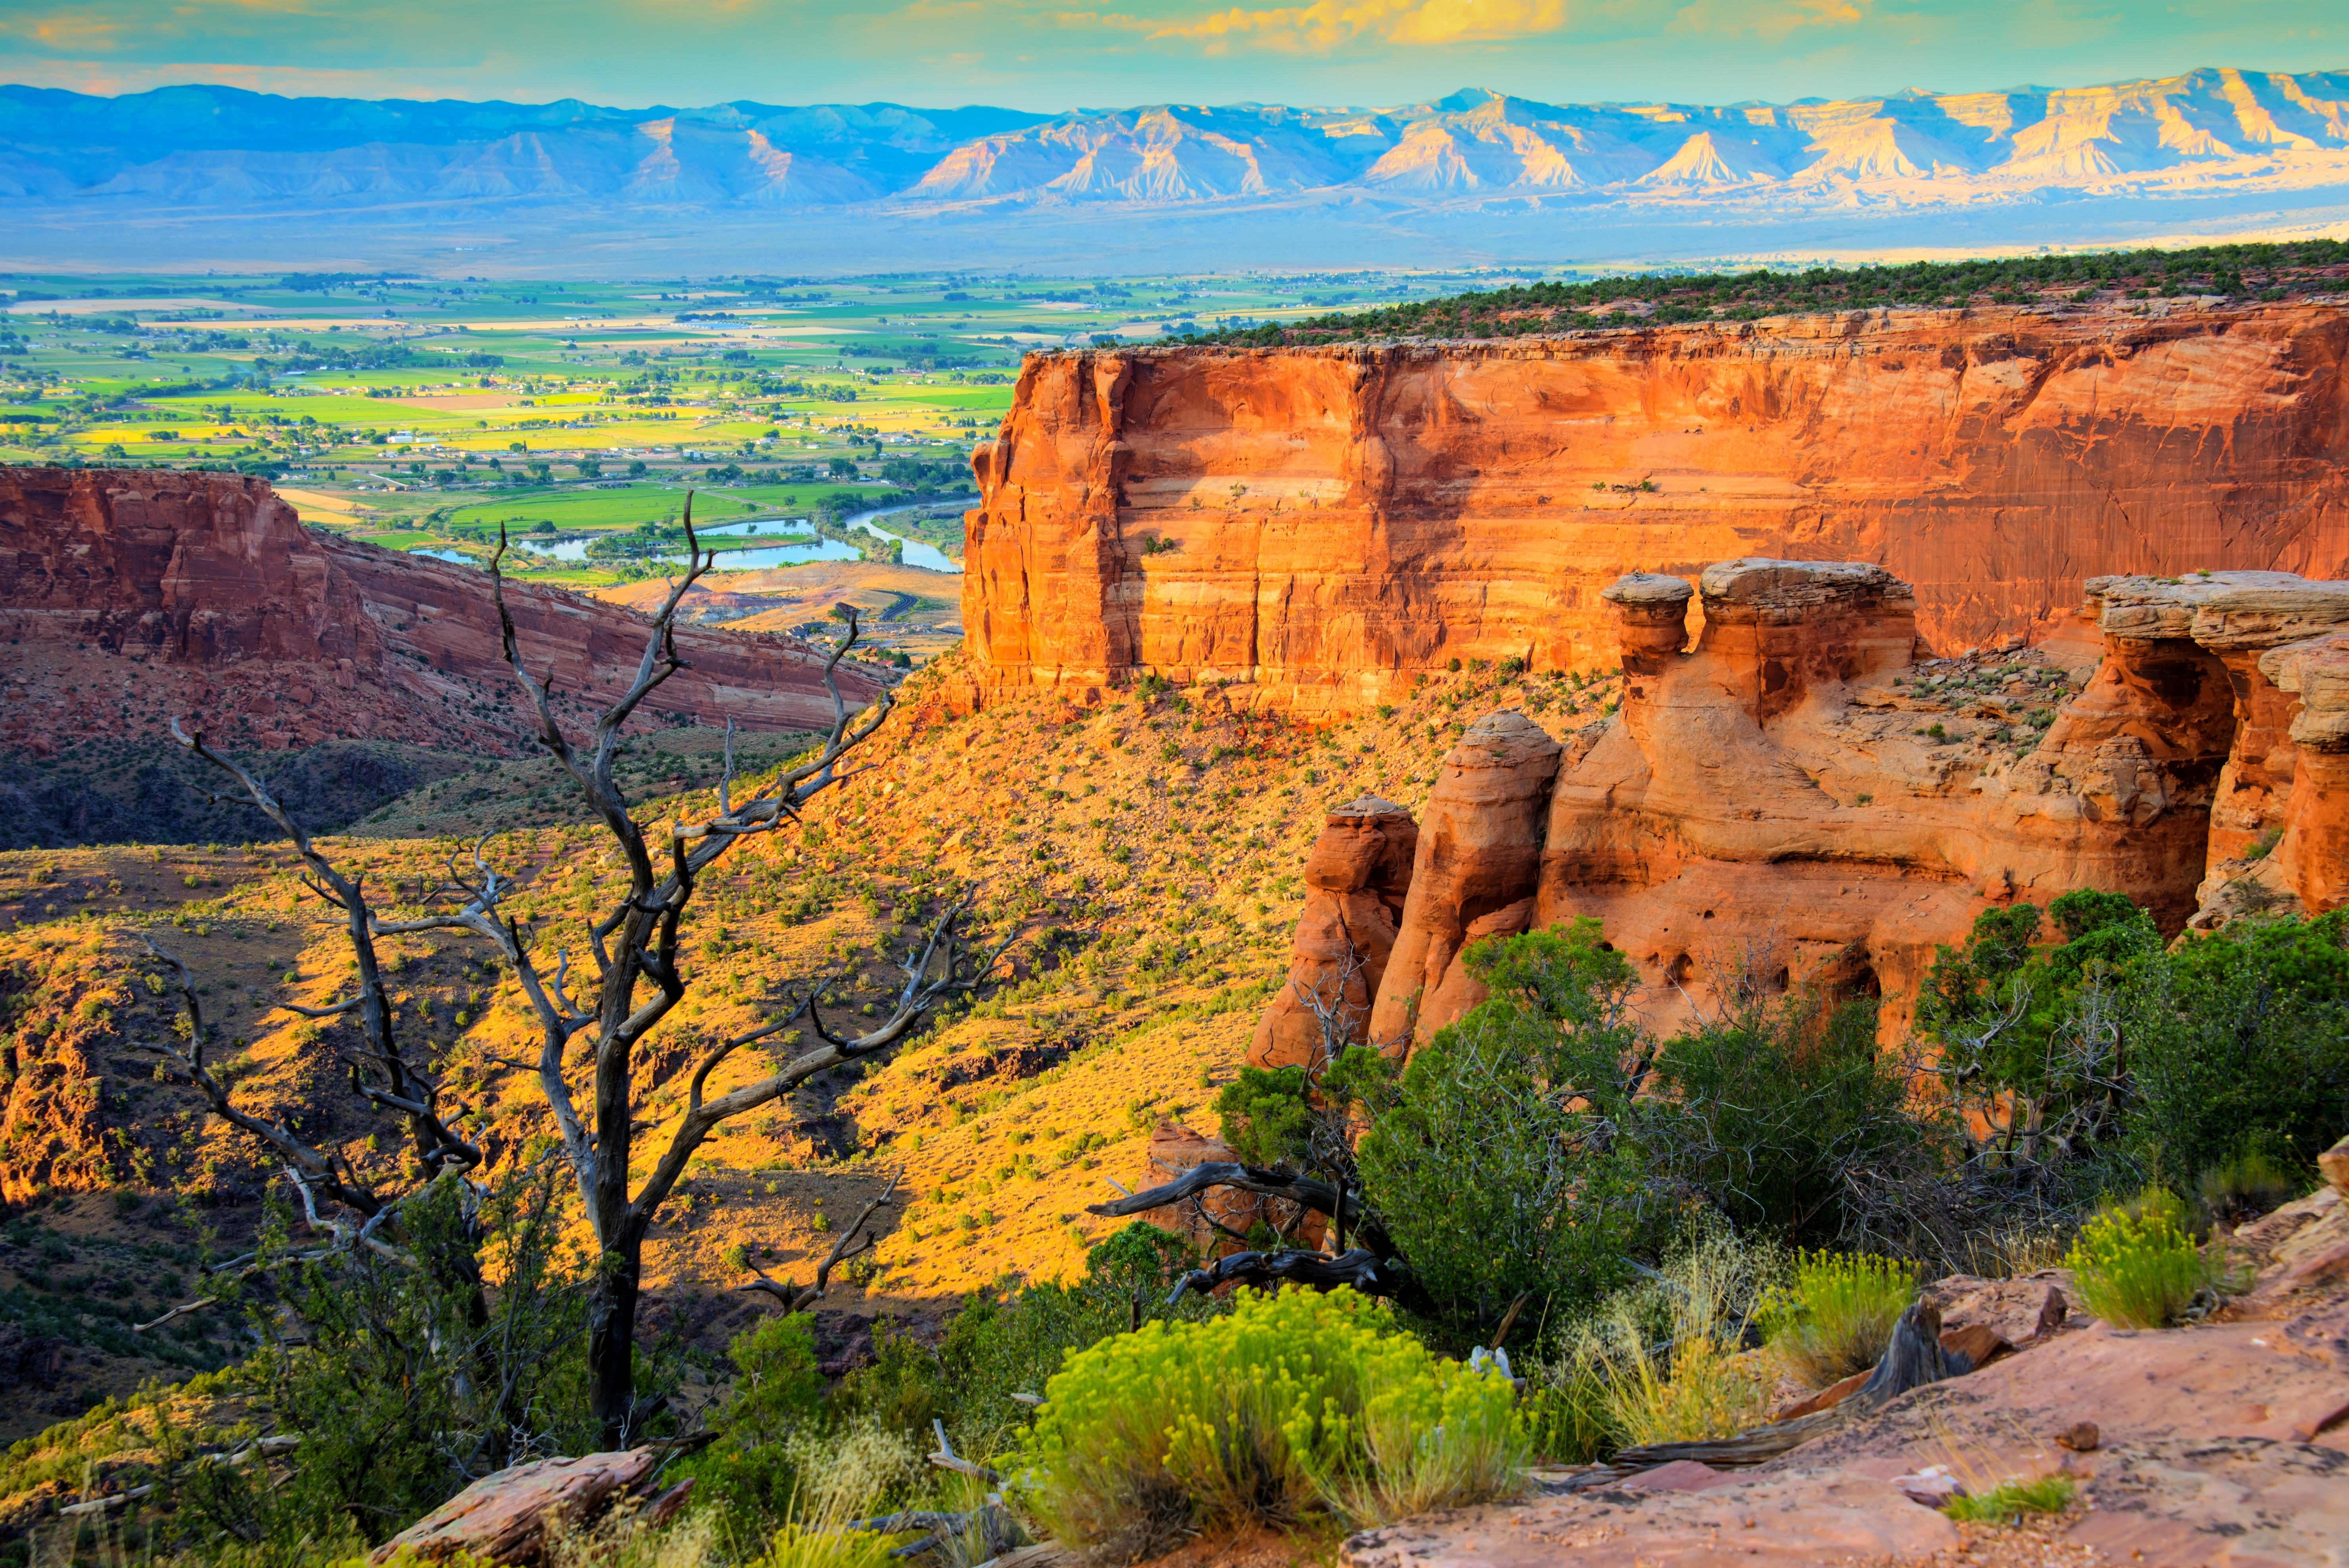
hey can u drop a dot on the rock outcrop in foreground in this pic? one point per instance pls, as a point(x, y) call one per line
point(1800, 795)
point(1323, 523)
point(133, 596)
point(2220, 1445)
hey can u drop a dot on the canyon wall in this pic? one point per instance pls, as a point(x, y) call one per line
point(130, 597)
point(1797, 795)
point(1326, 523)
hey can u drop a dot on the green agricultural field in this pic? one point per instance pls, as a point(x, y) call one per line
point(702, 386)
point(570, 511)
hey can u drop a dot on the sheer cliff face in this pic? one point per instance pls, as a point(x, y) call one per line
point(1326, 522)
point(133, 597)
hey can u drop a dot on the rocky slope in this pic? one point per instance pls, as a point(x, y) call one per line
point(2219, 1445)
point(1327, 523)
point(130, 597)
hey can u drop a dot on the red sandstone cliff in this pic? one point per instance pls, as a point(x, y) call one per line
point(1798, 796)
point(133, 596)
point(1323, 521)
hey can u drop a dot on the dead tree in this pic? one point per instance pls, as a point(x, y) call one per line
point(640, 976)
point(854, 1242)
point(379, 1070)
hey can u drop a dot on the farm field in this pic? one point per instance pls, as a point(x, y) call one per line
point(420, 413)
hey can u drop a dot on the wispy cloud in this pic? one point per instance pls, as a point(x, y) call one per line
point(1774, 22)
point(1328, 25)
point(69, 30)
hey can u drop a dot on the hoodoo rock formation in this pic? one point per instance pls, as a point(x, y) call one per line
point(132, 597)
point(1325, 523)
point(1801, 797)
point(1474, 874)
point(1357, 877)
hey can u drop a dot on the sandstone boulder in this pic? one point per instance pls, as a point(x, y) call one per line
point(1477, 865)
point(1175, 1149)
point(2335, 1163)
point(1357, 880)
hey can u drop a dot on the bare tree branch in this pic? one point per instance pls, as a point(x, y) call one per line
point(801, 1299)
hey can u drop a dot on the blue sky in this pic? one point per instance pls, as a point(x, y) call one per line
point(1052, 55)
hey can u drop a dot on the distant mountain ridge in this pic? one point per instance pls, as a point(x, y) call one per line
point(193, 154)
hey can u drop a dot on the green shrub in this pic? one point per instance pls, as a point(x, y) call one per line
point(2135, 1266)
point(1836, 1316)
point(812, 1547)
point(1766, 1106)
point(1565, 1412)
point(750, 1475)
point(1659, 1362)
point(1266, 1117)
point(2241, 1190)
point(1499, 1161)
point(2025, 1033)
point(2006, 1504)
point(414, 1380)
point(1292, 1405)
point(1009, 1340)
point(2244, 1035)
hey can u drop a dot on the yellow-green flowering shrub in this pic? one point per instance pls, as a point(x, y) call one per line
point(1292, 1405)
point(1834, 1317)
point(2137, 1266)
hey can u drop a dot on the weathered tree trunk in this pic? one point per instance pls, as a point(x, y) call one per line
point(1913, 1359)
point(611, 1341)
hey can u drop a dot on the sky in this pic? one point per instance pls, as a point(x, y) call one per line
point(1050, 55)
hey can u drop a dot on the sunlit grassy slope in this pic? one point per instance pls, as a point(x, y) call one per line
point(1148, 848)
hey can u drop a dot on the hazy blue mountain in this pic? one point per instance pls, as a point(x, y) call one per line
point(1471, 173)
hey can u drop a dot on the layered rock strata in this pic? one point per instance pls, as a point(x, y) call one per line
point(1803, 794)
point(1357, 877)
point(133, 596)
point(1326, 523)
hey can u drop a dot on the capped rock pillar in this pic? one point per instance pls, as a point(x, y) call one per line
point(1479, 864)
point(2313, 854)
point(1651, 619)
point(1357, 877)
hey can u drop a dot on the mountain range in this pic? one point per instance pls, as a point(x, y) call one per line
point(2211, 147)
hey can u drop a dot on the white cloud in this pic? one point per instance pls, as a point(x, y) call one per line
point(1327, 24)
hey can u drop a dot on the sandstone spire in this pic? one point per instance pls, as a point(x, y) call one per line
point(1356, 878)
point(1479, 864)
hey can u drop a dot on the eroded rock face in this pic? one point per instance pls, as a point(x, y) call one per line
point(2311, 855)
point(2193, 675)
point(134, 596)
point(1474, 873)
point(1341, 519)
point(1357, 877)
point(1802, 796)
